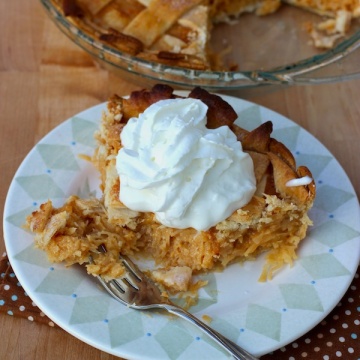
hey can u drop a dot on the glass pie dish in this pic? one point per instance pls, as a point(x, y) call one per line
point(272, 49)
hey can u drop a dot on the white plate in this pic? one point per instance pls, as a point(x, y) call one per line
point(261, 317)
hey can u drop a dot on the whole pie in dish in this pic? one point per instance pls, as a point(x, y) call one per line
point(177, 32)
point(274, 220)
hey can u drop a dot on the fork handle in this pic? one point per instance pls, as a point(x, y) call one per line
point(236, 351)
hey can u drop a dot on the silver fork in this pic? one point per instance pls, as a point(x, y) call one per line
point(137, 291)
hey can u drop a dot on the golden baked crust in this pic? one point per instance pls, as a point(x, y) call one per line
point(170, 32)
point(227, 10)
point(274, 221)
point(328, 7)
point(177, 32)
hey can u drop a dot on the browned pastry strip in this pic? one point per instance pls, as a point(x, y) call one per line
point(256, 140)
point(71, 8)
point(123, 42)
point(142, 99)
point(157, 18)
point(117, 14)
point(219, 111)
point(174, 59)
point(93, 6)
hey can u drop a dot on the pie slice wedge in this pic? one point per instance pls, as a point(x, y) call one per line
point(274, 222)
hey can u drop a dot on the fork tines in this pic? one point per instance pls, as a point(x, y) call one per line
point(131, 277)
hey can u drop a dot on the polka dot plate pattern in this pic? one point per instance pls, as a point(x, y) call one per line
point(261, 317)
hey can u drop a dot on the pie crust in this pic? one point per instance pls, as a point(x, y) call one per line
point(274, 221)
point(177, 32)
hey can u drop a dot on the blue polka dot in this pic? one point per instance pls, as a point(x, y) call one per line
point(26, 294)
point(148, 334)
point(106, 321)
point(331, 250)
point(73, 143)
point(18, 284)
point(14, 298)
point(34, 203)
point(313, 282)
point(198, 338)
point(331, 216)
point(10, 313)
point(242, 330)
point(354, 336)
point(48, 171)
point(284, 310)
point(2, 275)
point(2, 302)
point(358, 308)
point(12, 275)
point(74, 295)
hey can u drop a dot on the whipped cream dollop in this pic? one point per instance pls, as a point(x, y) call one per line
point(188, 175)
point(305, 180)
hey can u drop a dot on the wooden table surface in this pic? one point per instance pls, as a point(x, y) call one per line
point(45, 79)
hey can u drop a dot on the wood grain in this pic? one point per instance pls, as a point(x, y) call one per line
point(45, 79)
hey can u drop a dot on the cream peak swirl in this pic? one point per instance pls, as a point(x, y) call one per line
point(171, 164)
